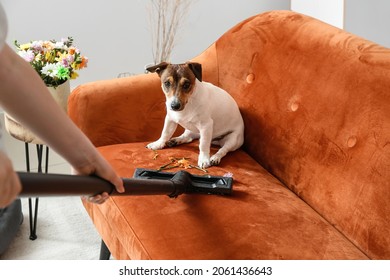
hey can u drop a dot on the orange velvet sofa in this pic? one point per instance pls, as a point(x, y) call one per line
point(312, 180)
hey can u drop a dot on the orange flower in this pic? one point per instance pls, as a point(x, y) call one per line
point(84, 62)
point(72, 50)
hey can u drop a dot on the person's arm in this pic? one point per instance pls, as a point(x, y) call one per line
point(9, 181)
point(25, 97)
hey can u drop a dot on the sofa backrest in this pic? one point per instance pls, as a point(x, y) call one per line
point(316, 105)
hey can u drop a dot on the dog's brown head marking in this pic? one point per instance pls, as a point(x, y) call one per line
point(178, 81)
point(195, 67)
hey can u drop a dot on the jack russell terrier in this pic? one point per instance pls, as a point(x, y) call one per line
point(205, 111)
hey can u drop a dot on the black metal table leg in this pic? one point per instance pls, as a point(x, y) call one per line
point(33, 216)
point(105, 253)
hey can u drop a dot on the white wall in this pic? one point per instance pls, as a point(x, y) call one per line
point(369, 19)
point(115, 35)
point(366, 18)
point(329, 11)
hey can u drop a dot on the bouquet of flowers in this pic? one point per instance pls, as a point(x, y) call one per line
point(55, 61)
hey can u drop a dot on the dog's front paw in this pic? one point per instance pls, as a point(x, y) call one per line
point(157, 145)
point(172, 143)
point(204, 161)
point(215, 160)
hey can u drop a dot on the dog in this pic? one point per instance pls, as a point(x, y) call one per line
point(205, 111)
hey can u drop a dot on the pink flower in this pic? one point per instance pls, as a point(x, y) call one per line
point(27, 55)
point(65, 62)
point(37, 46)
point(70, 59)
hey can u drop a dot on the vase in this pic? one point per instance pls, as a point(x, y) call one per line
point(16, 130)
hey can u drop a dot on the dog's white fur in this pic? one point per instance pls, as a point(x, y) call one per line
point(210, 115)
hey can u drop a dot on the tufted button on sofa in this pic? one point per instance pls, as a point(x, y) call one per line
point(312, 180)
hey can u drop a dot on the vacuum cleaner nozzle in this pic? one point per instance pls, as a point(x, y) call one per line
point(192, 183)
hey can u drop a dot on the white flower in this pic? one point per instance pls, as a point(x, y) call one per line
point(50, 69)
point(59, 45)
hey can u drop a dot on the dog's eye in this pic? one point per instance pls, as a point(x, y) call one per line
point(167, 84)
point(186, 85)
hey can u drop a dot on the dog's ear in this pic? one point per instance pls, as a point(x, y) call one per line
point(158, 68)
point(196, 68)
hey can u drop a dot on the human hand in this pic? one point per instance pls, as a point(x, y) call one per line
point(101, 168)
point(10, 185)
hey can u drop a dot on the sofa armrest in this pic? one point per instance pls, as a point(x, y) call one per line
point(119, 110)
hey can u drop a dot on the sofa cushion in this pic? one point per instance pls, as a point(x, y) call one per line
point(262, 219)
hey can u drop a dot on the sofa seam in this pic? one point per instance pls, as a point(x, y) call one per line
point(331, 224)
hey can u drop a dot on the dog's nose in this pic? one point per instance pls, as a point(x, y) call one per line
point(175, 105)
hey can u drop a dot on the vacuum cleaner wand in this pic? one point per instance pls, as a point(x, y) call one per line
point(146, 182)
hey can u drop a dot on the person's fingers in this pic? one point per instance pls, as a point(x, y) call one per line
point(98, 199)
point(105, 171)
point(118, 183)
